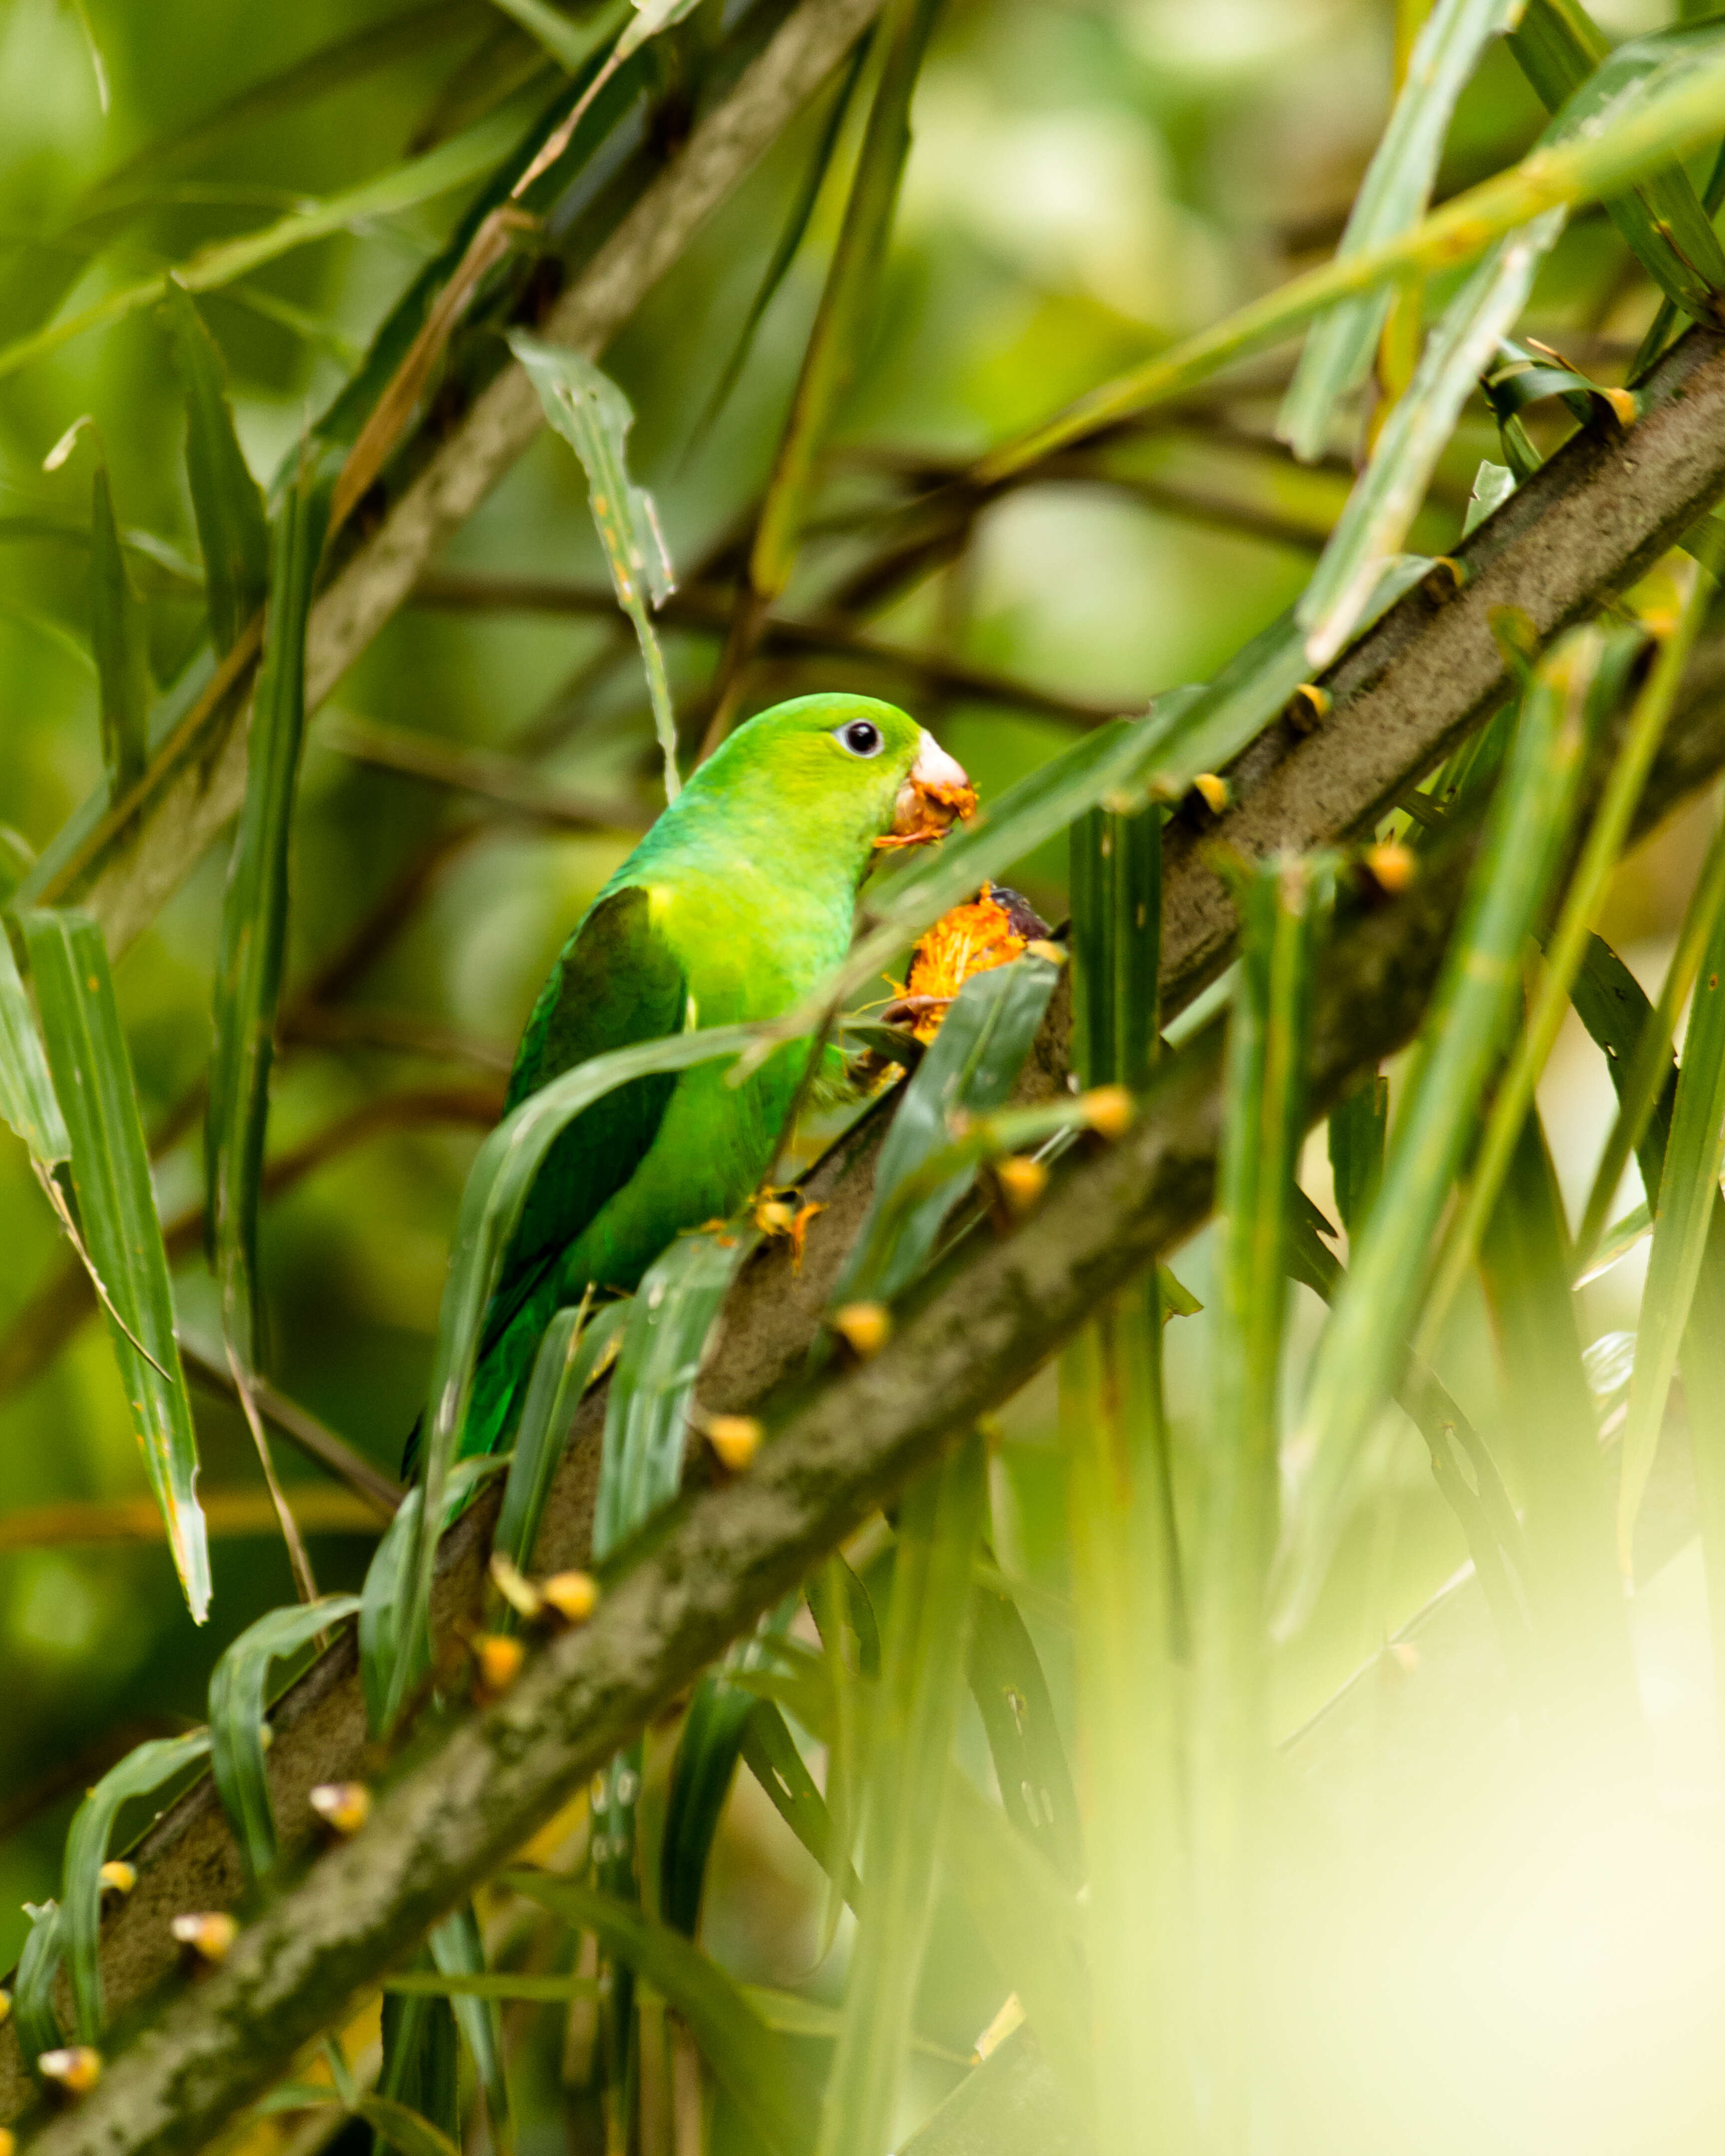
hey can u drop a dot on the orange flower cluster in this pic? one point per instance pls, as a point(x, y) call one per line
point(973, 938)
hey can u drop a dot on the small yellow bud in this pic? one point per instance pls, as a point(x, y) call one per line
point(1214, 791)
point(574, 1595)
point(1392, 866)
point(865, 1326)
point(209, 1933)
point(501, 1657)
point(512, 1583)
point(736, 1438)
point(5, 2016)
point(122, 1876)
point(77, 2068)
point(1041, 947)
point(8, 2141)
point(773, 1216)
point(1308, 707)
point(1022, 1181)
point(345, 1806)
point(1108, 1109)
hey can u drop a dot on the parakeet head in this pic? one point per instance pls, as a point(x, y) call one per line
point(862, 774)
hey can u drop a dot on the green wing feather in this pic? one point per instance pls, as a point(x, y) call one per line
point(617, 983)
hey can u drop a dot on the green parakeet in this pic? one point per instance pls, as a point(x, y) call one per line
point(735, 906)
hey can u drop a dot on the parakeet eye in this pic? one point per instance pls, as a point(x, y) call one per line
point(861, 736)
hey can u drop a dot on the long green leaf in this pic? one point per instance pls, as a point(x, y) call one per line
point(1648, 133)
point(1383, 504)
point(1284, 905)
point(1128, 1635)
point(116, 1206)
point(837, 339)
point(380, 1657)
point(764, 2075)
point(770, 1753)
point(1011, 1691)
point(119, 637)
point(1641, 1068)
point(141, 1774)
point(940, 1524)
point(592, 415)
point(453, 164)
point(1607, 833)
point(1687, 1192)
point(575, 1352)
point(236, 1720)
point(254, 912)
point(1472, 1011)
point(1575, 1598)
point(226, 500)
point(458, 1950)
point(1392, 199)
point(28, 1100)
point(1357, 1132)
point(38, 1968)
point(1115, 873)
point(1566, 58)
point(969, 1068)
point(404, 2129)
point(1030, 1925)
point(647, 1410)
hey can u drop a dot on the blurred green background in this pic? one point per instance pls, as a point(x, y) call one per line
point(1088, 181)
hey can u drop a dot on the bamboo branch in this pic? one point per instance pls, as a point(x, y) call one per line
point(727, 1552)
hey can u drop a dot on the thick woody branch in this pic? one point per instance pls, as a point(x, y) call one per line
point(728, 1553)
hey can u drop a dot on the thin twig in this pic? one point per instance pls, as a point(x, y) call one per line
point(304, 1582)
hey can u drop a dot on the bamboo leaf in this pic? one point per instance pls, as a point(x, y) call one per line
point(38, 1968)
point(576, 1351)
point(236, 1720)
point(1129, 1632)
point(1392, 199)
point(254, 912)
point(381, 1632)
point(1493, 486)
point(141, 1774)
point(116, 1206)
point(790, 239)
point(459, 1950)
point(1641, 1066)
point(770, 1753)
point(839, 333)
point(1385, 503)
point(120, 640)
point(1472, 1013)
point(1357, 1129)
point(1030, 1926)
point(708, 1747)
point(592, 415)
point(764, 2075)
point(453, 164)
point(1607, 833)
point(226, 500)
point(1116, 937)
point(404, 2129)
point(1667, 121)
point(968, 1068)
point(1688, 1190)
point(1579, 1622)
point(1567, 59)
point(28, 1100)
point(570, 44)
point(940, 1524)
point(1012, 1696)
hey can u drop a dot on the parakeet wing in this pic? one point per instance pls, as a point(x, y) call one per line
point(616, 984)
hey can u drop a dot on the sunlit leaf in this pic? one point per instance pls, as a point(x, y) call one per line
point(116, 1209)
point(141, 1774)
point(236, 1719)
point(28, 1100)
point(578, 1348)
point(765, 2075)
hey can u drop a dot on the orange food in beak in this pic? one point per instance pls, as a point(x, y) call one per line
point(932, 799)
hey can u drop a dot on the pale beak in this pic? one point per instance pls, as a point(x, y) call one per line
point(935, 793)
